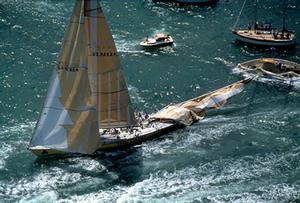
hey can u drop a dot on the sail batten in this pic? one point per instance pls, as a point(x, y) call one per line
point(108, 99)
point(99, 101)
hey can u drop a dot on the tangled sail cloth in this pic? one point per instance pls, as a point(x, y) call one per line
point(193, 110)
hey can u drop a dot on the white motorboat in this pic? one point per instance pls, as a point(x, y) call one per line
point(158, 40)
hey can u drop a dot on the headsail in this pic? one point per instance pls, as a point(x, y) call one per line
point(68, 120)
point(193, 110)
point(108, 84)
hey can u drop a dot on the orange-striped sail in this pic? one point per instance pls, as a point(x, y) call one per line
point(108, 84)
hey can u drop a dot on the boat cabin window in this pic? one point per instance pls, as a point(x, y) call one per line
point(262, 26)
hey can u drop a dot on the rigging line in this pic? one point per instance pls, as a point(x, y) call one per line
point(283, 15)
point(238, 18)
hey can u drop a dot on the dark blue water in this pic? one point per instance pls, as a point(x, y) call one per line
point(247, 151)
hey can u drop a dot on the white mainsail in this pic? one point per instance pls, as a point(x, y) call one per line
point(87, 91)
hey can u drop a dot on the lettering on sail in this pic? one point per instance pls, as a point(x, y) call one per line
point(66, 67)
point(104, 54)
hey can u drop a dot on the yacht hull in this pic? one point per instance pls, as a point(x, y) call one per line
point(114, 141)
point(270, 43)
point(160, 129)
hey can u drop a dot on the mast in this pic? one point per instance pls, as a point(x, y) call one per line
point(283, 16)
point(255, 12)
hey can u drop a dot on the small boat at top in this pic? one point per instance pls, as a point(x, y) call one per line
point(159, 40)
point(274, 68)
point(263, 34)
point(88, 107)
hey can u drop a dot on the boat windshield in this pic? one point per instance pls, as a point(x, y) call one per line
point(161, 37)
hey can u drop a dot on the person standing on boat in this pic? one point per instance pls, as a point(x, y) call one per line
point(168, 37)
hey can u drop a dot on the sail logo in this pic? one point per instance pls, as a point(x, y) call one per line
point(66, 67)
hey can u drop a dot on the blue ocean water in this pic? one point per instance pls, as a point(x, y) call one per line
point(247, 151)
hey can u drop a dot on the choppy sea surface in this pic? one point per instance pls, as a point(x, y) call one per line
point(247, 151)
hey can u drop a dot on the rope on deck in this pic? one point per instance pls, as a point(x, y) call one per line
point(291, 73)
point(279, 74)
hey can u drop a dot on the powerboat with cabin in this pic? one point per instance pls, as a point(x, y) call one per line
point(159, 40)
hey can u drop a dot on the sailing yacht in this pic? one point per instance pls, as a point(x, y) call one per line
point(88, 108)
point(264, 34)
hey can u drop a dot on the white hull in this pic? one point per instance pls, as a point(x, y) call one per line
point(120, 140)
point(158, 44)
point(156, 129)
point(265, 42)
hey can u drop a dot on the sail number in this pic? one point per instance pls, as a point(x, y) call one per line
point(104, 54)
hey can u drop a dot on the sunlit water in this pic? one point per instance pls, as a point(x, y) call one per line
point(247, 151)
